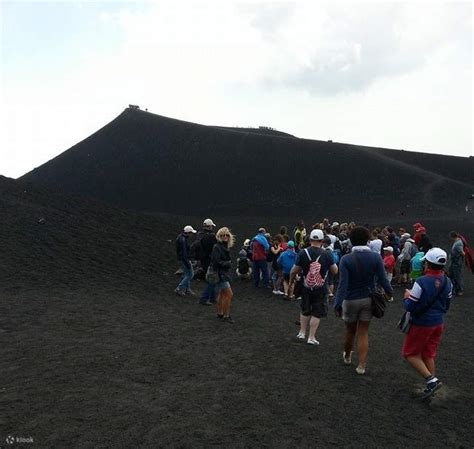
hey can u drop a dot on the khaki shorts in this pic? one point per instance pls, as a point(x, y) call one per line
point(357, 310)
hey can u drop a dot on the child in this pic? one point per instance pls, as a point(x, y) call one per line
point(286, 262)
point(244, 271)
point(388, 262)
point(427, 303)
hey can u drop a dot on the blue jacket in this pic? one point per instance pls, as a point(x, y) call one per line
point(359, 272)
point(287, 260)
point(423, 292)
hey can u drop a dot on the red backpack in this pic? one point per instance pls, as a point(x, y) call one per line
point(313, 278)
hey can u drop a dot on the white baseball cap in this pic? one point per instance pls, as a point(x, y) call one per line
point(316, 234)
point(208, 222)
point(388, 248)
point(189, 229)
point(436, 256)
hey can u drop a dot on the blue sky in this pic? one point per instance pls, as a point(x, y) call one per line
point(395, 75)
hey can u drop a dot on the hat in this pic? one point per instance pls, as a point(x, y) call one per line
point(247, 242)
point(410, 240)
point(260, 230)
point(406, 235)
point(417, 225)
point(189, 229)
point(436, 256)
point(388, 248)
point(316, 234)
point(335, 224)
point(291, 244)
point(208, 222)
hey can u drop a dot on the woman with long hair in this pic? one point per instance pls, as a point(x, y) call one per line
point(221, 263)
point(359, 273)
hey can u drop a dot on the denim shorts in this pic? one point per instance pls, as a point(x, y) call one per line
point(222, 285)
point(357, 310)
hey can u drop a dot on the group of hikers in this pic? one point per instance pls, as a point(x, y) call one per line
point(339, 263)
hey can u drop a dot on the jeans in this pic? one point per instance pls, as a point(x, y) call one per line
point(188, 274)
point(260, 266)
point(456, 275)
point(209, 293)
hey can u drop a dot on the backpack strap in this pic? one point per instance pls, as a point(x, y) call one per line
point(432, 302)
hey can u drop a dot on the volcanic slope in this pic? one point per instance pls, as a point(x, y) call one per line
point(51, 240)
point(147, 162)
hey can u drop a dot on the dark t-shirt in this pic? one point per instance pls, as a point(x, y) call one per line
point(325, 259)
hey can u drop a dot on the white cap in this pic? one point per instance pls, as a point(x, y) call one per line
point(410, 240)
point(406, 235)
point(437, 256)
point(208, 222)
point(246, 242)
point(316, 234)
point(335, 224)
point(388, 248)
point(189, 229)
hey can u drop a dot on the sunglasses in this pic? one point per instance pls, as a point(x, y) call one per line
point(226, 235)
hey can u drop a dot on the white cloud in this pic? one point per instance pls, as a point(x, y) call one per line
point(377, 74)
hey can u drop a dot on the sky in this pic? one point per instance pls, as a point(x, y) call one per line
point(386, 74)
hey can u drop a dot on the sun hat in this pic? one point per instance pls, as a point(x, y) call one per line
point(436, 256)
point(189, 229)
point(316, 234)
point(388, 248)
point(208, 222)
point(291, 244)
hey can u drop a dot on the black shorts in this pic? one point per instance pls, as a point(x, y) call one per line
point(314, 302)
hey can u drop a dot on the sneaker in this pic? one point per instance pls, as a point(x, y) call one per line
point(431, 389)
point(299, 298)
point(390, 300)
point(313, 341)
point(275, 292)
point(205, 303)
point(180, 292)
point(228, 319)
point(360, 370)
point(190, 293)
point(301, 336)
point(347, 359)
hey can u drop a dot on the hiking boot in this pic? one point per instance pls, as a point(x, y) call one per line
point(301, 336)
point(347, 359)
point(313, 341)
point(431, 389)
point(180, 292)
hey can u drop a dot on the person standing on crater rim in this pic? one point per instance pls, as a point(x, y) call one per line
point(182, 253)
